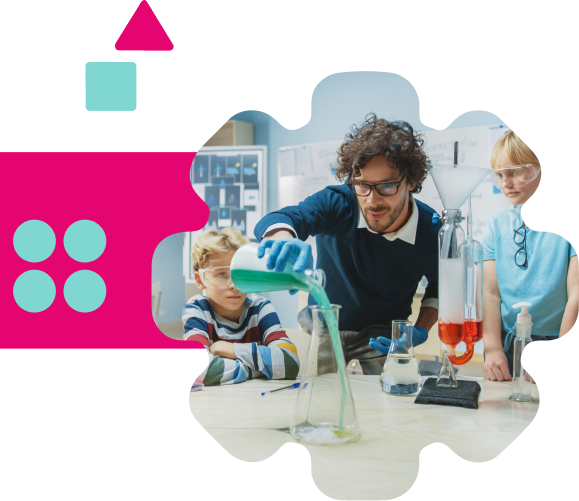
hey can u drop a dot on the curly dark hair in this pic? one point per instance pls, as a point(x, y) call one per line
point(394, 140)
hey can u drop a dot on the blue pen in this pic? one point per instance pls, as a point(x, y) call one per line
point(295, 385)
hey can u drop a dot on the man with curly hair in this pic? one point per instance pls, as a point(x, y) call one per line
point(374, 240)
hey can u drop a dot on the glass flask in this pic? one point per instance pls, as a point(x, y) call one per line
point(401, 375)
point(324, 412)
point(249, 274)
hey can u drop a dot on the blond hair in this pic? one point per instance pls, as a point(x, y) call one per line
point(212, 242)
point(517, 151)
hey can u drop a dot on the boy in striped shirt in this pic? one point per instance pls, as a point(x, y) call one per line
point(242, 335)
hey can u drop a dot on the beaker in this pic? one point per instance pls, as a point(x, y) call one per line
point(249, 274)
point(401, 375)
point(324, 412)
point(521, 380)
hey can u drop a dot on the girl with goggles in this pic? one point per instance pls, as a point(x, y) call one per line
point(522, 264)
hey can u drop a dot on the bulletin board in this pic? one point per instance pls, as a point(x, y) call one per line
point(232, 181)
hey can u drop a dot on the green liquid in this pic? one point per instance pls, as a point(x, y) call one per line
point(248, 282)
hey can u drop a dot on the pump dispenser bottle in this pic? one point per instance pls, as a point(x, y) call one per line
point(521, 380)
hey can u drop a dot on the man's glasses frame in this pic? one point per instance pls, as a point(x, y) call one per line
point(378, 187)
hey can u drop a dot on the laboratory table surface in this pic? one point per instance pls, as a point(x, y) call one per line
point(383, 463)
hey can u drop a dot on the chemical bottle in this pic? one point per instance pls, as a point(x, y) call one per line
point(521, 384)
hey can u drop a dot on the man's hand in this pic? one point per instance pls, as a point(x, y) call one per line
point(223, 349)
point(286, 251)
point(381, 346)
point(496, 367)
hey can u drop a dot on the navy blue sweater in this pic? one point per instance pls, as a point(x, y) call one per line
point(374, 279)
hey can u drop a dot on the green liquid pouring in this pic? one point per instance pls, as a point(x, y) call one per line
point(249, 281)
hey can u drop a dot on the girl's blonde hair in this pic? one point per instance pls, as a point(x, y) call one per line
point(212, 242)
point(517, 151)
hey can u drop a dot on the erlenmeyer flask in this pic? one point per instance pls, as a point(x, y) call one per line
point(250, 274)
point(401, 375)
point(324, 412)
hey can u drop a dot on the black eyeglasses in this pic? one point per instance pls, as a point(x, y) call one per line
point(384, 189)
point(521, 240)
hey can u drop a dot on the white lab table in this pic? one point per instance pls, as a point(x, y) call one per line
point(383, 463)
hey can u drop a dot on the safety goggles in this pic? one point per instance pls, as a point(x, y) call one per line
point(218, 278)
point(517, 175)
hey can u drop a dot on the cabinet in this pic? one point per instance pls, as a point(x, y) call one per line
point(233, 133)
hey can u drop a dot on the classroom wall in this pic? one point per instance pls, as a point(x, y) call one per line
point(337, 102)
point(168, 269)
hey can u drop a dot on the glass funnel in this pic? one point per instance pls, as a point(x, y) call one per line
point(324, 412)
point(401, 375)
point(249, 274)
point(455, 183)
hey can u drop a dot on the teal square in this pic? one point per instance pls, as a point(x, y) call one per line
point(111, 86)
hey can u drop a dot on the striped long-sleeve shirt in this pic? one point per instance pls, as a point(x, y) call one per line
point(261, 346)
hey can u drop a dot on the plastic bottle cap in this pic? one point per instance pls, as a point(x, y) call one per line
point(523, 318)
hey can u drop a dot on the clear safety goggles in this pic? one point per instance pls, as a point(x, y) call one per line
point(219, 278)
point(517, 175)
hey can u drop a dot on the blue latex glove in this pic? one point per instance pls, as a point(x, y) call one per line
point(382, 345)
point(419, 335)
point(292, 250)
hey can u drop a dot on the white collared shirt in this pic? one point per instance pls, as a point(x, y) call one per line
point(407, 233)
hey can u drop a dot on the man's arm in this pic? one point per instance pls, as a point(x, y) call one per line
point(278, 234)
point(572, 308)
point(427, 317)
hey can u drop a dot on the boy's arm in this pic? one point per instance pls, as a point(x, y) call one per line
point(277, 357)
point(220, 370)
point(277, 360)
point(572, 308)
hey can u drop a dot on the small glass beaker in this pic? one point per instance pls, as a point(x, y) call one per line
point(401, 375)
point(249, 273)
point(324, 412)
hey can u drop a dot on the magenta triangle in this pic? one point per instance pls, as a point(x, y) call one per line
point(144, 32)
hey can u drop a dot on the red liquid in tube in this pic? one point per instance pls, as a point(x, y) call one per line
point(470, 332)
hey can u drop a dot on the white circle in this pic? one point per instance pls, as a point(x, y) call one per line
point(178, 83)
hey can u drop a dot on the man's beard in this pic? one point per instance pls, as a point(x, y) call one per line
point(392, 215)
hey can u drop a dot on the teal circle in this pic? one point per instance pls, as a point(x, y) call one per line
point(34, 241)
point(85, 241)
point(85, 291)
point(34, 291)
